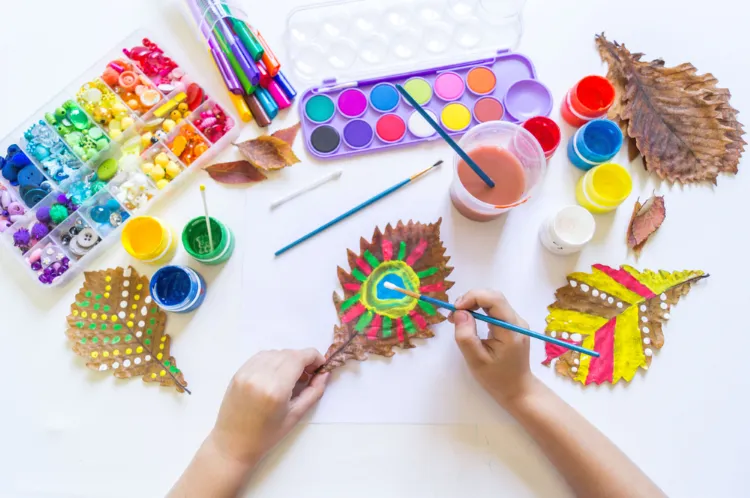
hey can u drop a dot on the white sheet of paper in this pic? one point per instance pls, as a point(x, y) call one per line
point(289, 301)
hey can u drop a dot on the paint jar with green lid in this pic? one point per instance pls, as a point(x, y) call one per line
point(198, 245)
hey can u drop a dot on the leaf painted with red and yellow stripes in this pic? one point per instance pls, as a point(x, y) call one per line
point(619, 313)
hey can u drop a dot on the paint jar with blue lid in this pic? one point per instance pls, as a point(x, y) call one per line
point(594, 143)
point(178, 289)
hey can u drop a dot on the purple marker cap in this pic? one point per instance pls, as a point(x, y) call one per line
point(233, 84)
point(245, 59)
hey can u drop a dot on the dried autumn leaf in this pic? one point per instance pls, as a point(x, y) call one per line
point(375, 319)
point(117, 327)
point(618, 313)
point(646, 219)
point(235, 172)
point(288, 134)
point(681, 121)
point(271, 152)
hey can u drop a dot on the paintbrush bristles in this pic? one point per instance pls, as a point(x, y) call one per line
point(391, 286)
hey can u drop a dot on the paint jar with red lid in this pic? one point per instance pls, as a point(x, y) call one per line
point(546, 132)
point(589, 99)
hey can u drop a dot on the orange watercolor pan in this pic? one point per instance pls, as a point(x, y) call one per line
point(481, 80)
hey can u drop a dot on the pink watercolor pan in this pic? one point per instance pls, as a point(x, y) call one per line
point(449, 86)
point(352, 103)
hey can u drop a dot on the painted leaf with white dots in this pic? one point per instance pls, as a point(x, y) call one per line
point(116, 327)
point(619, 313)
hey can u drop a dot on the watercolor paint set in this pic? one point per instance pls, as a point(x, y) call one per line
point(364, 116)
point(121, 136)
point(455, 59)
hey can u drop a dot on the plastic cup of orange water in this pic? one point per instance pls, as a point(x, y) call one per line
point(511, 156)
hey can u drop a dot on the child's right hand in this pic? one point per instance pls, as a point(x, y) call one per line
point(501, 362)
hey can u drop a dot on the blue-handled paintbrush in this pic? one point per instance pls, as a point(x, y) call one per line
point(493, 321)
point(457, 148)
point(357, 208)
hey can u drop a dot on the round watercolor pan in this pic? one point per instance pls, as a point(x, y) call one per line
point(481, 80)
point(455, 117)
point(390, 128)
point(352, 103)
point(419, 89)
point(319, 109)
point(384, 97)
point(419, 127)
point(358, 134)
point(526, 99)
point(488, 109)
point(449, 86)
point(325, 139)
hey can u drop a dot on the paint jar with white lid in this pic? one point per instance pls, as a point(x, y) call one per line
point(568, 230)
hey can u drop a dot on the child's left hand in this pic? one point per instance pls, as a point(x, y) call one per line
point(266, 398)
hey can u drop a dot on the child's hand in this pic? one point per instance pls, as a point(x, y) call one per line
point(501, 362)
point(265, 400)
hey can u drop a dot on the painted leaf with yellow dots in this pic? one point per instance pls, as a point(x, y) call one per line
point(619, 313)
point(115, 325)
point(375, 319)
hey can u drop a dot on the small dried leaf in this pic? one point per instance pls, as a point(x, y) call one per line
point(268, 153)
point(646, 219)
point(288, 134)
point(235, 172)
point(681, 121)
point(374, 320)
point(619, 313)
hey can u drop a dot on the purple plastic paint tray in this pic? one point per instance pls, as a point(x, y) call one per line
point(352, 52)
point(343, 119)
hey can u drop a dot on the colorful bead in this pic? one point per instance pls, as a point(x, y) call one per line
point(79, 132)
point(214, 123)
point(134, 89)
point(172, 169)
point(154, 64)
point(188, 145)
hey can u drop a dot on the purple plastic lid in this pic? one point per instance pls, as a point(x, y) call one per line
point(526, 99)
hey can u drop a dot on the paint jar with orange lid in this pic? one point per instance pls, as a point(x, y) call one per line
point(604, 187)
point(149, 239)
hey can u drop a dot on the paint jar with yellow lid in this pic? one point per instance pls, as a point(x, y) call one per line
point(604, 187)
point(149, 239)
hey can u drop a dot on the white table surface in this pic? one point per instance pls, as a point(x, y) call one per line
point(69, 432)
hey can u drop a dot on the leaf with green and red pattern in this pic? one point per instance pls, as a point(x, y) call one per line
point(375, 319)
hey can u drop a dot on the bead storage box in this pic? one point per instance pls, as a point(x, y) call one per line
point(465, 71)
point(120, 137)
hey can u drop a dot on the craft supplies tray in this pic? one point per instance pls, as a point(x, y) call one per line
point(452, 56)
point(123, 135)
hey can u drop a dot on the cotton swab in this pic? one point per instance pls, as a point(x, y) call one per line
point(493, 321)
point(317, 183)
point(357, 208)
point(208, 220)
point(473, 165)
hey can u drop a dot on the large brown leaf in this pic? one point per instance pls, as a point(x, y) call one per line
point(681, 121)
point(115, 325)
point(374, 320)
